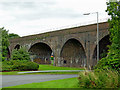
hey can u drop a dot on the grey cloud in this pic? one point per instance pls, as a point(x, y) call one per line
point(33, 4)
point(58, 13)
point(13, 5)
point(38, 10)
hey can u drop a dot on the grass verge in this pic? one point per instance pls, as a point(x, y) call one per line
point(51, 67)
point(62, 83)
point(46, 67)
point(16, 73)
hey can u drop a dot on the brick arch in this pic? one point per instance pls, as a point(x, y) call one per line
point(104, 33)
point(45, 42)
point(12, 46)
point(73, 37)
point(103, 42)
point(17, 46)
point(100, 38)
point(73, 53)
point(40, 52)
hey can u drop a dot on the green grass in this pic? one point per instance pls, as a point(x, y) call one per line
point(61, 83)
point(46, 67)
point(10, 73)
point(16, 73)
point(51, 67)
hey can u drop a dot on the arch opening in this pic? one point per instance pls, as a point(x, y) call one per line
point(73, 54)
point(17, 47)
point(40, 53)
point(8, 53)
point(103, 49)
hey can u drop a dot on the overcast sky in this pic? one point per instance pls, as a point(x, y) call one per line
point(26, 17)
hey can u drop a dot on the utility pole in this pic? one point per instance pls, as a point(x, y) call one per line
point(97, 34)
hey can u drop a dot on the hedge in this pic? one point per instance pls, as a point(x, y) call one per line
point(17, 65)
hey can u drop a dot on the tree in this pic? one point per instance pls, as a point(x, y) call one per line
point(5, 42)
point(113, 58)
point(20, 54)
point(0, 44)
point(12, 35)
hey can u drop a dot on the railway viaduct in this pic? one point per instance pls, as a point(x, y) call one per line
point(72, 47)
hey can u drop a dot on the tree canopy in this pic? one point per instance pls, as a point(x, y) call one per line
point(113, 58)
point(0, 38)
point(5, 42)
point(12, 35)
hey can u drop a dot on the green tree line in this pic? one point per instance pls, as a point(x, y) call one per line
point(4, 42)
point(112, 60)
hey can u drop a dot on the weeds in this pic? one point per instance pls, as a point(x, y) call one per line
point(99, 79)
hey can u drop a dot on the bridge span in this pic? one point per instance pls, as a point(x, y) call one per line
point(72, 47)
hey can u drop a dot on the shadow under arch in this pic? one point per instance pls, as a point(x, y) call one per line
point(8, 53)
point(103, 49)
point(40, 53)
point(73, 54)
point(17, 47)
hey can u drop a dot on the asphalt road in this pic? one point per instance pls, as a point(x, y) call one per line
point(13, 80)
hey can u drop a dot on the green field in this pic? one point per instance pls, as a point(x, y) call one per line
point(46, 67)
point(16, 73)
point(62, 83)
point(51, 67)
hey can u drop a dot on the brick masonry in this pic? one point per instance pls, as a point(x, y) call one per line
point(73, 47)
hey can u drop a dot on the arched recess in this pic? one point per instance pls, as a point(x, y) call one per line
point(8, 53)
point(17, 47)
point(103, 49)
point(73, 54)
point(40, 53)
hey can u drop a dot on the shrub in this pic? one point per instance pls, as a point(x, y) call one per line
point(99, 79)
point(20, 54)
point(3, 58)
point(16, 65)
point(112, 60)
point(108, 63)
point(6, 67)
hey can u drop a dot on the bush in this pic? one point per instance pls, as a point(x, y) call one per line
point(4, 58)
point(16, 65)
point(108, 63)
point(6, 68)
point(21, 54)
point(99, 79)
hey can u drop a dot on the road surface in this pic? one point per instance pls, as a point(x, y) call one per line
point(13, 80)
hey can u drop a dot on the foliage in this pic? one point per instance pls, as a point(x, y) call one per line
point(108, 63)
point(104, 54)
point(12, 35)
point(113, 58)
point(17, 65)
point(5, 42)
point(0, 44)
point(20, 54)
point(99, 79)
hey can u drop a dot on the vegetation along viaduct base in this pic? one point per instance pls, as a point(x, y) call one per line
point(71, 47)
